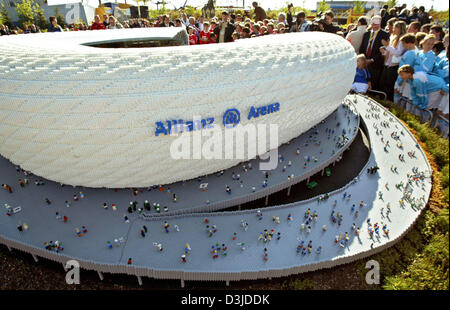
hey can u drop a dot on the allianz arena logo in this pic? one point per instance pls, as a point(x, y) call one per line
point(231, 118)
point(200, 139)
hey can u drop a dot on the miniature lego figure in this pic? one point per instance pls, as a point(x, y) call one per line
point(259, 214)
point(224, 250)
point(187, 249)
point(266, 255)
point(166, 226)
point(214, 252)
point(244, 225)
point(147, 205)
point(158, 246)
point(234, 236)
point(228, 189)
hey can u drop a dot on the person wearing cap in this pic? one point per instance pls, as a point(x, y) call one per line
point(370, 47)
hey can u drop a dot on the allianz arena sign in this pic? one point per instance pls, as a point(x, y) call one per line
point(80, 114)
point(230, 119)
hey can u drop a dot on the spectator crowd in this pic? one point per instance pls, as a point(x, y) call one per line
point(404, 55)
point(401, 52)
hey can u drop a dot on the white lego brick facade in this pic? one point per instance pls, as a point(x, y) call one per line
point(87, 116)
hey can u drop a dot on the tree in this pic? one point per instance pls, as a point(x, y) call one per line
point(295, 9)
point(25, 12)
point(358, 7)
point(5, 19)
point(4, 16)
point(60, 18)
point(323, 6)
point(39, 17)
point(391, 3)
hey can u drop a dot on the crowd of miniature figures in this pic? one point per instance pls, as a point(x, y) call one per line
point(306, 243)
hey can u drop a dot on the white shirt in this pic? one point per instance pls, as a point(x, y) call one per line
point(355, 37)
point(394, 54)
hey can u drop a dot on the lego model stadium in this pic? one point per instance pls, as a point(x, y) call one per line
point(88, 124)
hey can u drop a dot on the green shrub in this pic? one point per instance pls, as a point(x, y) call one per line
point(298, 284)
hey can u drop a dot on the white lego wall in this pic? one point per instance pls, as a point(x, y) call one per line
point(86, 116)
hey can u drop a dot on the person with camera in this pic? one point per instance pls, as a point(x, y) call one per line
point(370, 46)
point(224, 30)
point(301, 24)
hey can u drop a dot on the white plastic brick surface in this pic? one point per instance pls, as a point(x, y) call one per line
point(93, 111)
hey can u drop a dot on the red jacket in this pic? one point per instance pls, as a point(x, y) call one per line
point(98, 26)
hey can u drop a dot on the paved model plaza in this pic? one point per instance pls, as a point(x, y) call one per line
point(391, 199)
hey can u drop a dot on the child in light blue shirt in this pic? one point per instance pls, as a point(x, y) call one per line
point(426, 89)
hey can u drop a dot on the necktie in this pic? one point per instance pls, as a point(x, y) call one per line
point(369, 48)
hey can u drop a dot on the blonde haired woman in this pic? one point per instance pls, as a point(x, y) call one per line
point(426, 57)
point(392, 51)
point(113, 23)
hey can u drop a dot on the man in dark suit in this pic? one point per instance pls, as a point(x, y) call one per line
point(370, 47)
